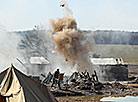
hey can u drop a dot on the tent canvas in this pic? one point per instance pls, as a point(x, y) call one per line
point(17, 87)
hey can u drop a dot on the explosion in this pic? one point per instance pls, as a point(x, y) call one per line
point(67, 39)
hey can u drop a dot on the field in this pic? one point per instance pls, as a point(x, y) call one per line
point(129, 53)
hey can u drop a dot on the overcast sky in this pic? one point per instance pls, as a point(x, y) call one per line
point(89, 14)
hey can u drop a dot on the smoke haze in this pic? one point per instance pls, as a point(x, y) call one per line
point(9, 49)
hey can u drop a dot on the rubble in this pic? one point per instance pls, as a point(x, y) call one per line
point(88, 85)
point(134, 81)
point(47, 79)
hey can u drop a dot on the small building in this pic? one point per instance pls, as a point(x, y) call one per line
point(38, 65)
point(107, 61)
point(38, 60)
point(110, 69)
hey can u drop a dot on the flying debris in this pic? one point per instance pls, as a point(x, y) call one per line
point(62, 5)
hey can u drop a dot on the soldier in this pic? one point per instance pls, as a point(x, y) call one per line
point(56, 78)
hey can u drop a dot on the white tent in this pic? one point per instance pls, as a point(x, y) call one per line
point(17, 87)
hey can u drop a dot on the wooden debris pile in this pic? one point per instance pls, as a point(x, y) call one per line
point(89, 85)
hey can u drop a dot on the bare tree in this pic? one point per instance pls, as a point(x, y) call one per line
point(35, 42)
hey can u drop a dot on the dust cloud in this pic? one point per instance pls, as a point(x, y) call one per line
point(68, 42)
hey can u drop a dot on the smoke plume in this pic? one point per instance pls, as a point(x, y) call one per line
point(9, 50)
point(68, 42)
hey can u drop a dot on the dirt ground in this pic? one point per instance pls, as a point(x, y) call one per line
point(61, 99)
